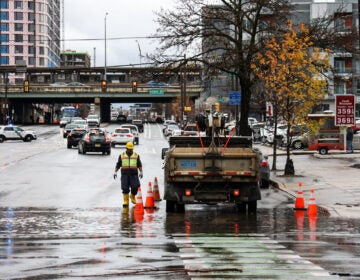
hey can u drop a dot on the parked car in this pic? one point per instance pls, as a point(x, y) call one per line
point(121, 135)
point(191, 130)
point(95, 141)
point(134, 130)
point(93, 120)
point(166, 122)
point(139, 124)
point(74, 137)
point(11, 132)
point(172, 130)
point(157, 84)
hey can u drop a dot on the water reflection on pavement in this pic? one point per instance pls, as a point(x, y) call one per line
point(42, 243)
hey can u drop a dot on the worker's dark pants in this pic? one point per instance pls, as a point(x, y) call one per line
point(130, 182)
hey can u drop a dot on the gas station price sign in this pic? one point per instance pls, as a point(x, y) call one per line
point(345, 110)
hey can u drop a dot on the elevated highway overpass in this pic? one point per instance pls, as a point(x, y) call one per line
point(20, 101)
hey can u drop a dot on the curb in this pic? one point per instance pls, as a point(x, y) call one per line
point(282, 187)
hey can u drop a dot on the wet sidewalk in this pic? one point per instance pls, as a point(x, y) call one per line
point(335, 178)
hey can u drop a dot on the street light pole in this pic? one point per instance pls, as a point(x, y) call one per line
point(105, 72)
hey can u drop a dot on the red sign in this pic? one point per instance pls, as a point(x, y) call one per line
point(345, 110)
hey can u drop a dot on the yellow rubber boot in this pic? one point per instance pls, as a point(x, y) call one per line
point(126, 200)
point(132, 197)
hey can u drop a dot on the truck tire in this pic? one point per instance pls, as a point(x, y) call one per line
point(323, 151)
point(174, 207)
point(170, 206)
point(252, 207)
point(2, 138)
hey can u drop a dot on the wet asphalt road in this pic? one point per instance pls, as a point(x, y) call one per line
point(61, 218)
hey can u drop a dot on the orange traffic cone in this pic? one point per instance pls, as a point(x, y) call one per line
point(149, 203)
point(312, 208)
point(299, 202)
point(156, 190)
point(139, 206)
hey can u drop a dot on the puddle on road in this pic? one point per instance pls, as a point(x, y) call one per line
point(111, 243)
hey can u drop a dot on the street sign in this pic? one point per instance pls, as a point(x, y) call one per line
point(345, 110)
point(156, 91)
point(234, 98)
point(221, 99)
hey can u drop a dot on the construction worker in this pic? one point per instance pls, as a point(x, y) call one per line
point(130, 164)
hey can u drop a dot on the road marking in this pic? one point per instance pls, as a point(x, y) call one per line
point(243, 256)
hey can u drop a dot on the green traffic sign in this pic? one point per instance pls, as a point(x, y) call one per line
point(156, 91)
point(221, 99)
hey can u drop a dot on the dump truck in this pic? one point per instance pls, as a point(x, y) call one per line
point(211, 170)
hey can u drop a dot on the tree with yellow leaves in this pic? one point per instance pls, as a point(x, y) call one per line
point(294, 80)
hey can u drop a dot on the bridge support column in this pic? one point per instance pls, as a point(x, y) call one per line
point(105, 110)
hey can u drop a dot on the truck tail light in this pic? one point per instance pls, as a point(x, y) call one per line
point(236, 192)
point(188, 192)
point(264, 163)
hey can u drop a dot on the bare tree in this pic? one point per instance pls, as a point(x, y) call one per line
point(224, 37)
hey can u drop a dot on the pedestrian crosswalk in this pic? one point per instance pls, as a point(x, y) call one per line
point(248, 256)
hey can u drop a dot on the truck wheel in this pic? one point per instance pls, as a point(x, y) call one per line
point(69, 146)
point(241, 207)
point(170, 206)
point(323, 151)
point(180, 208)
point(2, 138)
point(252, 207)
point(27, 138)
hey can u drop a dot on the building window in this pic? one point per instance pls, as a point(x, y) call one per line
point(19, 27)
point(31, 5)
point(18, 16)
point(31, 39)
point(19, 49)
point(18, 4)
point(31, 16)
point(4, 38)
point(41, 50)
point(4, 4)
point(4, 49)
point(31, 49)
point(31, 61)
point(4, 16)
point(31, 27)
point(4, 26)
point(42, 61)
point(4, 60)
point(19, 38)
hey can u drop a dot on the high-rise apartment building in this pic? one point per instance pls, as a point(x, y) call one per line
point(30, 32)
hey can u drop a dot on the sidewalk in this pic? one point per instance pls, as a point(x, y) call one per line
point(334, 177)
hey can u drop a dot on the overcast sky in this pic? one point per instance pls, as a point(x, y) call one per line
point(85, 19)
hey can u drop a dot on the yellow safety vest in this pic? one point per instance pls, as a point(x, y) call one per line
point(129, 162)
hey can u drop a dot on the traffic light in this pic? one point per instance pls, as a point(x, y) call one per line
point(103, 85)
point(217, 107)
point(26, 86)
point(134, 86)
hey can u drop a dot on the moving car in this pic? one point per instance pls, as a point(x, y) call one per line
point(11, 132)
point(139, 124)
point(64, 121)
point(69, 127)
point(134, 130)
point(74, 137)
point(121, 118)
point(94, 141)
point(93, 120)
point(167, 122)
point(191, 130)
point(121, 135)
